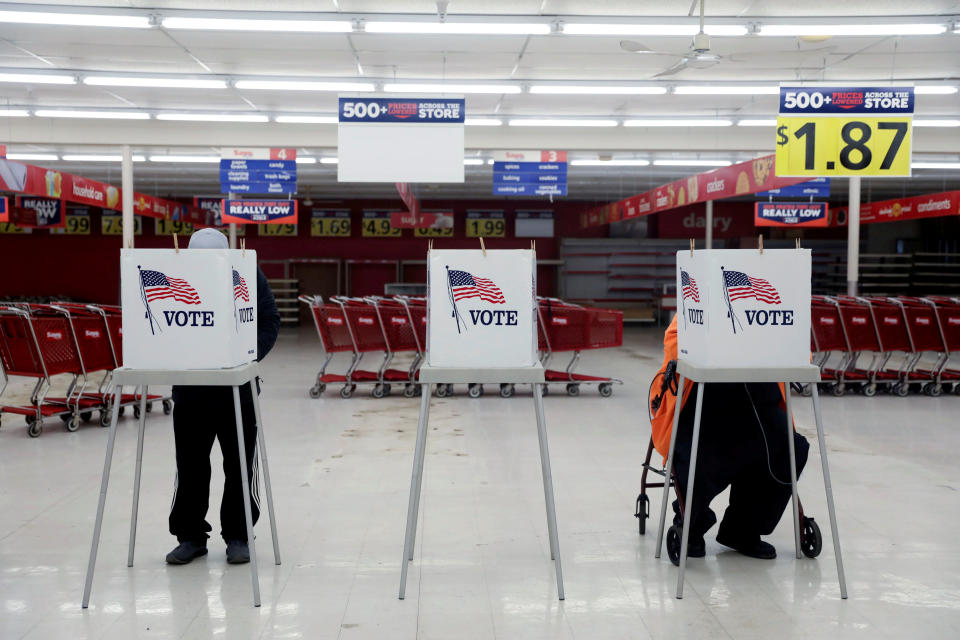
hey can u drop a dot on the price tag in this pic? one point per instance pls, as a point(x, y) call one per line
point(441, 227)
point(112, 225)
point(376, 224)
point(486, 224)
point(164, 227)
point(835, 131)
point(9, 227)
point(273, 230)
point(330, 223)
point(76, 225)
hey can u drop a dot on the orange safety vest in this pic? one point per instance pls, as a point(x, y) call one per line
point(662, 423)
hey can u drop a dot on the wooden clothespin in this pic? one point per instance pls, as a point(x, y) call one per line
point(533, 246)
point(798, 242)
point(176, 245)
point(483, 249)
point(430, 244)
point(760, 243)
point(243, 247)
point(692, 244)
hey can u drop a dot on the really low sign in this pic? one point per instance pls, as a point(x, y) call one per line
point(260, 211)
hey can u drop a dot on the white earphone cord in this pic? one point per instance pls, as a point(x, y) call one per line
point(765, 444)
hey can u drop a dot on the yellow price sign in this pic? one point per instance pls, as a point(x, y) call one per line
point(165, 227)
point(76, 225)
point(377, 225)
point(441, 225)
point(837, 146)
point(430, 232)
point(483, 224)
point(272, 230)
point(9, 227)
point(111, 225)
point(330, 224)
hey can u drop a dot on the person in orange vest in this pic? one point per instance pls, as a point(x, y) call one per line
point(743, 445)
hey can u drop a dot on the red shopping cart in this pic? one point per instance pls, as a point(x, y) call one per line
point(948, 318)
point(573, 328)
point(891, 325)
point(828, 340)
point(363, 326)
point(923, 323)
point(856, 321)
point(337, 336)
point(400, 335)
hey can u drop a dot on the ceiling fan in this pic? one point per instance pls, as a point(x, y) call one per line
point(699, 56)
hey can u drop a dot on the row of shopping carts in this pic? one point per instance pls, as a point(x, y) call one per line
point(398, 325)
point(83, 341)
point(896, 345)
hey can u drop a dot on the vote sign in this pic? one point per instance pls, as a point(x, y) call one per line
point(844, 131)
point(195, 309)
point(481, 309)
point(740, 308)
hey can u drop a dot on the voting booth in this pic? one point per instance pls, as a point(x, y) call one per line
point(188, 309)
point(481, 328)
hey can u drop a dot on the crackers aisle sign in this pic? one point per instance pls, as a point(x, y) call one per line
point(744, 309)
point(481, 309)
point(844, 131)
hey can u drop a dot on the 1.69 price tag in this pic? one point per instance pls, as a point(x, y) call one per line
point(838, 146)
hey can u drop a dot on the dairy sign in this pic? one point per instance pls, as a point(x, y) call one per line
point(744, 309)
point(481, 309)
point(791, 214)
point(259, 211)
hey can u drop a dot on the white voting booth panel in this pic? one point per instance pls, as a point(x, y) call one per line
point(187, 310)
point(482, 309)
point(744, 308)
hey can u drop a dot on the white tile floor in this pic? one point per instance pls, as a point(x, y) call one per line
point(482, 570)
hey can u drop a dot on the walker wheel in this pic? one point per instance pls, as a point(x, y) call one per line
point(870, 390)
point(346, 391)
point(379, 390)
point(167, 407)
point(410, 390)
point(475, 390)
point(673, 544)
point(315, 391)
point(506, 390)
point(642, 512)
point(573, 389)
point(605, 389)
point(811, 541)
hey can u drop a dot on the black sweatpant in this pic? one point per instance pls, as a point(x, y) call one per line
point(732, 453)
point(201, 414)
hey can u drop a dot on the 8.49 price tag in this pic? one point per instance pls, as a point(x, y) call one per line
point(837, 131)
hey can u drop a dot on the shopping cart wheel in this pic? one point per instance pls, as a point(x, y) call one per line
point(167, 407)
point(870, 390)
point(316, 390)
point(573, 389)
point(34, 428)
point(839, 389)
point(149, 407)
point(379, 390)
point(442, 391)
point(475, 390)
point(674, 534)
point(605, 389)
point(806, 390)
point(642, 512)
point(123, 410)
point(811, 541)
point(410, 390)
point(105, 417)
point(902, 389)
point(506, 390)
point(136, 412)
point(87, 416)
point(73, 423)
point(347, 390)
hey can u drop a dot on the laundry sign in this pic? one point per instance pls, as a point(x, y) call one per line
point(481, 308)
point(741, 308)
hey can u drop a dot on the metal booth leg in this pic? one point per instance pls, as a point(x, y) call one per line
point(669, 467)
point(266, 471)
point(104, 480)
point(688, 504)
point(548, 487)
point(828, 488)
point(242, 449)
point(416, 479)
point(136, 476)
point(793, 469)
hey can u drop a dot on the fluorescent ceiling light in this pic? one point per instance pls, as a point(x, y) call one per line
point(306, 160)
point(596, 89)
point(757, 123)
point(213, 117)
point(75, 19)
point(610, 163)
point(37, 78)
point(450, 88)
point(306, 119)
point(329, 160)
point(52, 157)
point(619, 29)
point(560, 122)
point(186, 159)
point(936, 123)
point(86, 157)
point(490, 160)
point(472, 161)
point(166, 83)
point(888, 29)
point(483, 122)
point(300, 85)
point(935, 165)
point(693, 122)
point(460, 28)
point(100, 115)
point(14, 113)
point(692, 163)
point(235, 24)
point(719, 90)
point(934, 89)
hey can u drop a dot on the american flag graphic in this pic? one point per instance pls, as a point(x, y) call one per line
point(689, 286)
point(240, 291)
point(741, 286)
point(157, 286)
point(465, 285)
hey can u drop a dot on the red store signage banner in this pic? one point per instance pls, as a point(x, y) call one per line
point(933, 205)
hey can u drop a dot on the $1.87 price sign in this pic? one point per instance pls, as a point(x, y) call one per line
point(836, 131)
